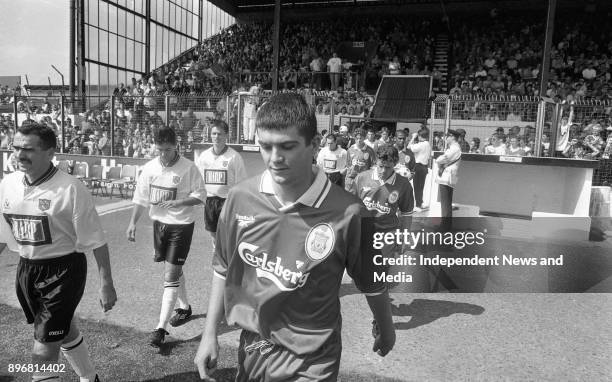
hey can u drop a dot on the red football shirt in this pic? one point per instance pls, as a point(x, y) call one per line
point(283, 265)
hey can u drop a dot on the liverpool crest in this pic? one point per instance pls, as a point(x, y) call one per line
point(393, 196)
point(320, 241)
point(44, 204)
point(176, 179)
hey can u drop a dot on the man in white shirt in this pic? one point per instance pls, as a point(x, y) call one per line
point(49, 218)
point(249, 112)
point(448, 167)
point(316, 66)
point(221, 168)
point(564, 132)
point(419, 144)
point(170, 186)
point(332, 159)
point(334, 66)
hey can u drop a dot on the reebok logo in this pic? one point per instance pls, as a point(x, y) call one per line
point(245, 220)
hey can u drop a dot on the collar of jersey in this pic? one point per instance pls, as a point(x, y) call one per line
point(212, 149)
point(172, 162)
point(42, 179)
point(313, 197)
point(390, 180)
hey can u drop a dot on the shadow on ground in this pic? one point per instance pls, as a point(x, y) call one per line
point(424, 312)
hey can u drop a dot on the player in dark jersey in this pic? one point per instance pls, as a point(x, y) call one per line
point(359, 158)
point(386, 194)
point(284, 240)
point(49, 218)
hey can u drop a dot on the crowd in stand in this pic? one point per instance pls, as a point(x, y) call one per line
point(502, 56)
point(243, 54)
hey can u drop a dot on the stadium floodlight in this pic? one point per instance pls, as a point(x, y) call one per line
point(61, 75)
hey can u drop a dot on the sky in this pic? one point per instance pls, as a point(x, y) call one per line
point(34, 34)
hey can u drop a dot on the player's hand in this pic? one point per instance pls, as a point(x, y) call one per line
point(206, 358)
point(108, 296)
point(383, 342)
point(131, 232)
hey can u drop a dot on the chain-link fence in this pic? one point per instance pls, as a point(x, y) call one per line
point(437, 122)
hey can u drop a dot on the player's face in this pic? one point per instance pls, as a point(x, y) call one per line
point(331, 144)
point(359, 140)
point(166, 151)
point(370, 136)
point(286, 155)
point(218, 136)
point(31, 157)
point(400, 141)
point(384, 169)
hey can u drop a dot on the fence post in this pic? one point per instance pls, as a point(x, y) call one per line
point(238, 119)
point(556, 117)
point(15, 111)
point(112, 127)
point(227, 111)
point(433, 122)
point(332, 114)
point(167, 108)
point(447, 120)
point(539, 127)
point(62, 149)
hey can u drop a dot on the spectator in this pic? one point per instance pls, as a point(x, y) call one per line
point(334, 67)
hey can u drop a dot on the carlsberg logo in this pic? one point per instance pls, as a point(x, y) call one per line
point(271, 269)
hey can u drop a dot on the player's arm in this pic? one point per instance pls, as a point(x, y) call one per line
point(136, 213)
point(208, 351)
point(385, 334)
point(197, 195)
point(185, 202)
point(108, 296)
point(346, 164)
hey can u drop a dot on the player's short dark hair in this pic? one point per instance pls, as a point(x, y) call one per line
point(359, 131)
point(46, 135)
point(221, 125)
point(387, 153)
point(332, 136)
point(285, 110)
point(165, 135)
point(424, 132)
